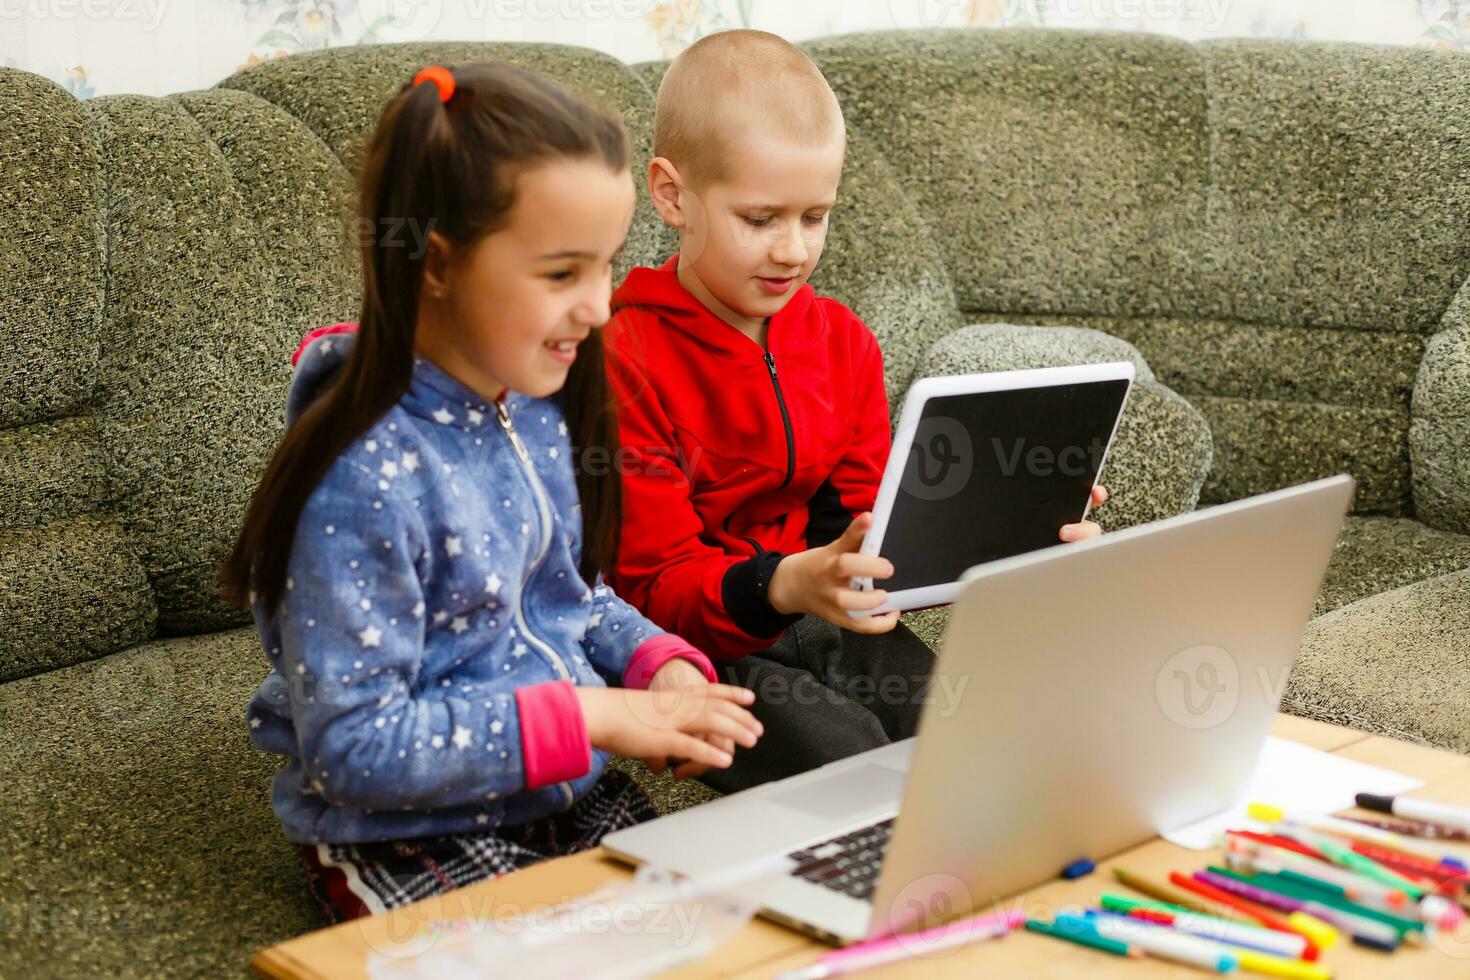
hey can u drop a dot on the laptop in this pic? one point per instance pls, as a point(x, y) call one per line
point(1086, 698)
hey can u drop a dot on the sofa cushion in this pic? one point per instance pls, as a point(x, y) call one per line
point(1339, 186)
point(227, 239)
point(1061, 171)
point(71, 587)
point(1161, 451)
point(1395, 664)
point(339, 93)
point(1376, 554)
point(136, 823)
point(1439, 432)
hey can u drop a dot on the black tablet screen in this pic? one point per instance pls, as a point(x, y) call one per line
point(993, 474)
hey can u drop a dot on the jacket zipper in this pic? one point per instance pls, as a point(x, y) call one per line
point(785, 422)
point(543, 509)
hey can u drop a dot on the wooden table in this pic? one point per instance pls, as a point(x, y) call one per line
point(764, 948)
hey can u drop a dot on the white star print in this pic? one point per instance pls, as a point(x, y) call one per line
point(475, 417)
point(389, 469)
point(493, 583)
point(463, 737)
point(553, 452)
point(255, 722)
point(561, 427)
point(496, 727)
point(325, 347)
point(440, 617)
point(482, 818)
point(452, 546)
point(437, 741)
point(443, 416)
point(520, 650)
point(410, 461)
point(594, 620)
point(460, 624)
point(418, 610)
point(371, 637)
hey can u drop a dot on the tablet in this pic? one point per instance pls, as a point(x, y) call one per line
point(986, 466)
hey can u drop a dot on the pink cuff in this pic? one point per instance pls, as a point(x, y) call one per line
point(554, 743)
point(656, 651)
point(321, 332)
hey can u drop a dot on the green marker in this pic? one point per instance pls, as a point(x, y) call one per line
point(1083, 937)
point(1307, 889)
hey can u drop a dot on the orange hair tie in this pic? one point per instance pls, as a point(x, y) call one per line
point(441, 78)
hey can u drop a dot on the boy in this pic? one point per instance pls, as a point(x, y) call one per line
point(754, 425)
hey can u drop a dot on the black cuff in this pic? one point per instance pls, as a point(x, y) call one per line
point(745, 591)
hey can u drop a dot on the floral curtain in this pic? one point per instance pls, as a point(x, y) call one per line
point(160, 46)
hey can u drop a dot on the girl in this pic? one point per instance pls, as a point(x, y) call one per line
point(438, 633)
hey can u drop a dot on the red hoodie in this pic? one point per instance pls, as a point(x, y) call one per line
point(734, 456)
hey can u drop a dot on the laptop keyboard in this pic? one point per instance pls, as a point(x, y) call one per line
point(847, 864)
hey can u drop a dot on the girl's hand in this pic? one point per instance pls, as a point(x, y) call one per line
point(656, 725)
point(1086, 529)
point(818, 582)
point(675, 675)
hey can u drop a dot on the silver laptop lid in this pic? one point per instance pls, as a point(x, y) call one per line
point(1107, 691)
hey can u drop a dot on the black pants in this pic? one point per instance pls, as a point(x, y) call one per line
point(824, 694)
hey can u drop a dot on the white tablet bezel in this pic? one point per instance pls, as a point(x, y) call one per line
point(913, 411)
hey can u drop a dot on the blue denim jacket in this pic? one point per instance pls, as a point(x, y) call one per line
point(433, 572)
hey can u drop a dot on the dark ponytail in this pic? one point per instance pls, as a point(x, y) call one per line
point(445, 166)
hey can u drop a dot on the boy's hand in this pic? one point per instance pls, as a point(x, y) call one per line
point(655, 726)
point(818, 582)
point(1086, 529)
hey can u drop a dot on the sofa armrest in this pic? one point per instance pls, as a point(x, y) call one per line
point(1439, 431)
point(1162, 451)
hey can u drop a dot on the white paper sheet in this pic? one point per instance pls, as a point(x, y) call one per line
point(1299, 780)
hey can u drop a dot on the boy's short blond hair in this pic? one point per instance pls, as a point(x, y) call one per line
point(726, 82)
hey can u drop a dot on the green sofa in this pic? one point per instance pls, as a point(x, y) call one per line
point(1278, 235)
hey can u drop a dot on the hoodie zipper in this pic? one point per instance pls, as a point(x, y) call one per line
point(543, 509)
point(785, 422)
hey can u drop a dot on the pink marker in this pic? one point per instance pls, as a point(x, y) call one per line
point(894, 948)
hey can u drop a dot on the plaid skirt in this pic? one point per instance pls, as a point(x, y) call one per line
point(353, 880)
